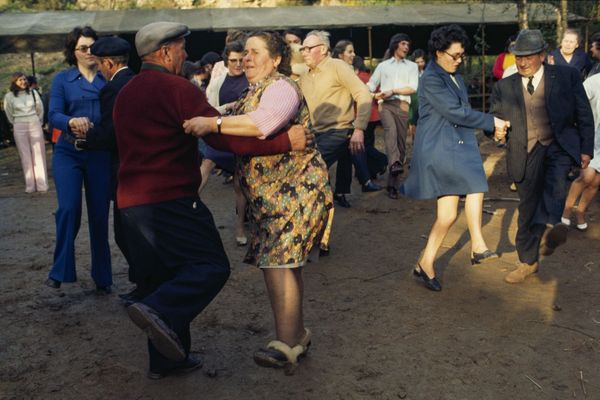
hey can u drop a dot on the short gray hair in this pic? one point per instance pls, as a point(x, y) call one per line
point(323, 36)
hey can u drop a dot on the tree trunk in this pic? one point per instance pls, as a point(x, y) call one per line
point(522, 14)
point(561, 21)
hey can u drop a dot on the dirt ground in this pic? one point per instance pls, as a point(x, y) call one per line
point(378, 334)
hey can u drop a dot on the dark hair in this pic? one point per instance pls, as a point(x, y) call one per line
point(71, 42)
point(31, 80)
point(595, 38)
point(340, 48)
point(13, 83)
point(418, 53)
point(190, 69)
point(442, 38)
point(276, 46)
point(234, 35)
point(291, 31)
point(210, 58)
point(122, 59)
point(395, 41)
point(232, 47)
point(510, 39)
point(359, 64)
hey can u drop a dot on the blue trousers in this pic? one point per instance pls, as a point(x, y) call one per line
point(542, 195)
point(182, 263)
point(72, 170)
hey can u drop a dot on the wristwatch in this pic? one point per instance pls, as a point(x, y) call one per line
point(219, 122)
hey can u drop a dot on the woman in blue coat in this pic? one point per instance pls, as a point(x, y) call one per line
point(74, 108)
point(446, 162)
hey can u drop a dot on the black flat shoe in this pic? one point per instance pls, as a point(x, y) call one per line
point(480, 258)
point(341, 200)
point(103, 289)
point(430, 283)
point(190, 364)
point(53, 283)
point(370, 187)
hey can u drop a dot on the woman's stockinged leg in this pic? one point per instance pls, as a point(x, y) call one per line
point(446, 215)
point(473, 211)
point(286, 289)
point(588, 194)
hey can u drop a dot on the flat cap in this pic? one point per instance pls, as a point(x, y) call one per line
point(110, 46)
point(150, 37)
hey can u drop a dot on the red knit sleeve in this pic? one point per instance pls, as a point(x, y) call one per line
point(194, 104)
point(250, 146)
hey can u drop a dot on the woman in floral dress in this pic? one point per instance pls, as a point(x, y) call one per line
point(289, 194)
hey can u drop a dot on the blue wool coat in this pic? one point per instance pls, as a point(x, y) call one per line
point(446, 158)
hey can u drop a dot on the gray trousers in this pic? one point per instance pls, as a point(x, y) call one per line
point(394, 118)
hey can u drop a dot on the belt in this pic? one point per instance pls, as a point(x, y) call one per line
point(80, 144)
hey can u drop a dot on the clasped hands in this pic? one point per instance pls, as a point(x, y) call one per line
point(80, 125)
point(300, 137)
point(500, 129)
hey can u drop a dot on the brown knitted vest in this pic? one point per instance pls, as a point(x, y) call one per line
point(538, 123)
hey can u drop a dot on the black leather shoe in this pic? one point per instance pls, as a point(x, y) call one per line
point(190, 364)
point(132, 297)
point(392, 193)
point(160, 334)
point(430, 283)
point(103, 289)
point(370, 187)
point(552, 238)
point(323, 252)
point(53, 283)
point(341, 200)
point(396, 169)
point(480, 258)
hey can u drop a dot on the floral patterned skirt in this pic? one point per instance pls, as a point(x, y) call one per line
point(291, 207)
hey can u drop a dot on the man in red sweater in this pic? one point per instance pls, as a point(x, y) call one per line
point(172, 235)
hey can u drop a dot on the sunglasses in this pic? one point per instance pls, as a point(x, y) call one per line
point(84, 48)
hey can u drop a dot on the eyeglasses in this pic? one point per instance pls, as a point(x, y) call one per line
point(83, 48)
point(309, 48)
point(457, 57)
point(235, 60)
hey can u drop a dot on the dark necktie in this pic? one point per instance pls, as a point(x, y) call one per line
point(530, 88)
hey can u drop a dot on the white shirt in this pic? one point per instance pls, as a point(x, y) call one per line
point(23, 108)
point(537, 78)
point(395, 74)
point(117, 71)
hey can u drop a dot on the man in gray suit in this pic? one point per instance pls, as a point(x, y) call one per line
point(551, 130)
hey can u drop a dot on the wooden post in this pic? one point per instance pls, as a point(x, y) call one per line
point(370, 32)
point(32, 63)
point(483, 80)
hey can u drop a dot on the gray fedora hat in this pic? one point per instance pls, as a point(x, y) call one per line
point(150, 37)
point(529, 41)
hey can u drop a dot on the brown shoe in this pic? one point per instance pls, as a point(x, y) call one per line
point(523, 271)
point(553, 237)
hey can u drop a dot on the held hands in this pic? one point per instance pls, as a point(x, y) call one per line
point(300, 137)
point(80, 125)
point(383, 95)
point(357, 141)
point(585, 161)
point(501, 128)
point(199, 126)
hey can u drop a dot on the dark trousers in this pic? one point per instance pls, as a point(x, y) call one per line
point(333, 146)
point(376, 160)
point(344, 167)
point(542, 194)
point(181, 260)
